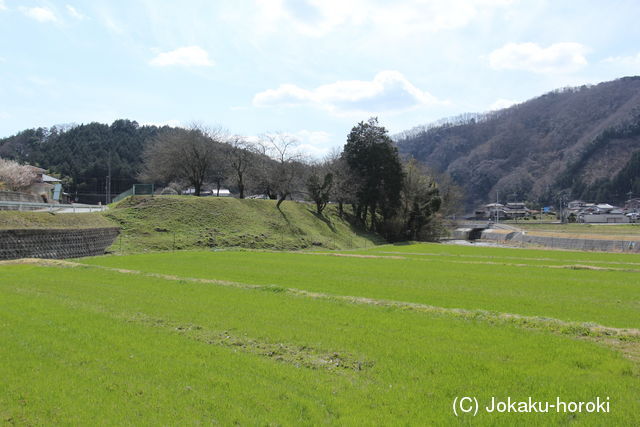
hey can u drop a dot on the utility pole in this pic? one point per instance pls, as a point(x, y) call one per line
point(497, 211)
point(562, 203)
point(108, 185)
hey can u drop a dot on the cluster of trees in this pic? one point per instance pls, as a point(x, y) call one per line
point(396, 199)
point(386, 195)
point(199, 158)
point(14, 176)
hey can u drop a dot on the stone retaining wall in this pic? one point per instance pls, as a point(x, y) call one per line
point(56, 243)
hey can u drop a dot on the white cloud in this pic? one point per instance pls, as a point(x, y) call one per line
point(73, 12)
point(41, 81)
point(319, 17)
point(313, 144)
point(557, 58)
point(316, 144)
point(309, 150)
point(111, 24)
point(501, 103)
point(40, 14)
point(2, 5)
point(389, 91)
point(624, 60)
point(189, 56)
point(313, 137)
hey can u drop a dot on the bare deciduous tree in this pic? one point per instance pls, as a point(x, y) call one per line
point(193, 155)
point(319, 185)
point(239, 158)
point(285, 174)
point(345, 183)
point(420, 199)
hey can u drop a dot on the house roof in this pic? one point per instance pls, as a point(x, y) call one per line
point(47, 178)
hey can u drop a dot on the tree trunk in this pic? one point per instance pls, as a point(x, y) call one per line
point(373, 218)
point(281, 199)
point(241, 186)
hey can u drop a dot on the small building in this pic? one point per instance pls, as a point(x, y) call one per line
point(44, 186)
point(632, 205)
point(490, 210)
point(602, 213)
point(223, 192)
point(575, 204)
point(604, 207)
point(498, 210)
point(517, 210)
point(604, 218)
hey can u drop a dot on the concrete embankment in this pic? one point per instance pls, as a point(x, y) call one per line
point(523, 238)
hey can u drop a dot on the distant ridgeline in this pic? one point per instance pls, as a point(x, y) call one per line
point(581, 142)
point(81, 155)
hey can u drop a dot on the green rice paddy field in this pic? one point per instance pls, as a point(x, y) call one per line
point(385, 336)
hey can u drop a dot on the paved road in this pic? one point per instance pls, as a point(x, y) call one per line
point(80, 209)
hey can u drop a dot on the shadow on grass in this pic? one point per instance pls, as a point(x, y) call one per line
point(405, 243)
point(293, 228)
point(324, 219)
point(284, 216)
point(361, 232)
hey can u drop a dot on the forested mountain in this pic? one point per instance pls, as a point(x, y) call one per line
point(81, 155)
point(581, 142)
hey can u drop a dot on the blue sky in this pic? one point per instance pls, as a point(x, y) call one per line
point(311, 69)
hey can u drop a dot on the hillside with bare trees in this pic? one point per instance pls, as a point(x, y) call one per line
point(579, 142)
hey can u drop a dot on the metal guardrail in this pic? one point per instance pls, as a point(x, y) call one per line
point(53, 207)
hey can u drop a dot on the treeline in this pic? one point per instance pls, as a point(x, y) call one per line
point(367, 180)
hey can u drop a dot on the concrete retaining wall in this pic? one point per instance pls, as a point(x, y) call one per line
point(563, 242)
point(499, 235)
point(16, 196)
point(462, 234)
point(55, 243)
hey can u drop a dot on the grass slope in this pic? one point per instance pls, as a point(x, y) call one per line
point(16, 219)
point(86, 344)
point(182, 222)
